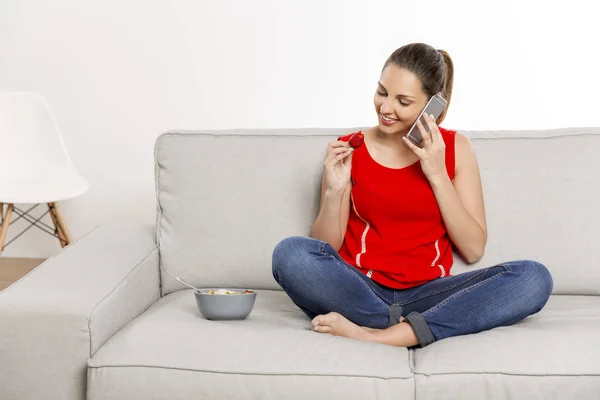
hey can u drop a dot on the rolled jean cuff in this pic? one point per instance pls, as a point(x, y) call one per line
point(420, 327)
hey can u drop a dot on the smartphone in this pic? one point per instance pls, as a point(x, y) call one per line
point(434, 106)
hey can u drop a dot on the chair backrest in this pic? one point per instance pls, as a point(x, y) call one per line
point(225, 198)
point(30, 139)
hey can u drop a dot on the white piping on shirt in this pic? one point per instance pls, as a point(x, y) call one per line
point(363, 240)
point(437, 256)
point(443, 270)
point(437, 250)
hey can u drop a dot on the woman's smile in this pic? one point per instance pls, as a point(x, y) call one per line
point(387, 121)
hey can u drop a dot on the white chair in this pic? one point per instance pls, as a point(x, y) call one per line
point(35, 167)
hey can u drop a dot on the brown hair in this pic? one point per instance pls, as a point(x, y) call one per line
point(434, 68)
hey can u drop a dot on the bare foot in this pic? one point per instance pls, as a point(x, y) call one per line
point(338, 325)
point(401, 334)
point(402, 319)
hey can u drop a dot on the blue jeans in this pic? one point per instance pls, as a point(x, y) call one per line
point(319, 281)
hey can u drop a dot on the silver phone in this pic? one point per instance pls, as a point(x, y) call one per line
point(434, 106)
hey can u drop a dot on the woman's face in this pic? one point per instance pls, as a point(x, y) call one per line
point(398, 100)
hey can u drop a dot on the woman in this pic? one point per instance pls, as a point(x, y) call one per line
point(376, 266)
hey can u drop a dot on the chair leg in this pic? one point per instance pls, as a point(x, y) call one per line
point(60, 224)
point(57, 230)
point(5, 224)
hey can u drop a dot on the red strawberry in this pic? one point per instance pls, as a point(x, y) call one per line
point(355, 140)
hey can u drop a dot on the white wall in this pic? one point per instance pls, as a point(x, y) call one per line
point(118, 73)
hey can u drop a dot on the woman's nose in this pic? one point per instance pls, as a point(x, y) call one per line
point(386, 107)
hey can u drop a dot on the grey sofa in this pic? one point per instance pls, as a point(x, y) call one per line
point(104, 318)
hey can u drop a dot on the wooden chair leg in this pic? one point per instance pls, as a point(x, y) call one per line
point(60, 224)
point(57, 231)
point(5, 224)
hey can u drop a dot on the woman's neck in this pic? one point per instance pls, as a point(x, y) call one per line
point(390, 141)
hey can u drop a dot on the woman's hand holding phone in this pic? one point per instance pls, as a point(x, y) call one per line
point(433, 154)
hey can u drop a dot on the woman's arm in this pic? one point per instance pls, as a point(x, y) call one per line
point(461, 204)
point(332, 221)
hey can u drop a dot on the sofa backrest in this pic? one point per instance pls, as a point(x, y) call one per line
point(226, 198)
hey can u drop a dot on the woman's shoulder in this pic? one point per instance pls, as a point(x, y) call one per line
point(447, 134)
point(461, 141)
point(463, 150)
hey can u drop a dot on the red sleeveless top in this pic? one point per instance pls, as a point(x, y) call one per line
point(396, 235)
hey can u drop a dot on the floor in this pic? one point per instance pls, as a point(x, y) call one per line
point(12, 269)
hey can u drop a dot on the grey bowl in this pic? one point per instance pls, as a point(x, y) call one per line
point(225, 306)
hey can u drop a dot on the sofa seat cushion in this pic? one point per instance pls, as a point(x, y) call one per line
point(171, 351)
point(550, 355)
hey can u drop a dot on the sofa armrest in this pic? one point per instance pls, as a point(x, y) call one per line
point(56, 317)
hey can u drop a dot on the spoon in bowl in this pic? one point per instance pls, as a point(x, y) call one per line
point(178, 279)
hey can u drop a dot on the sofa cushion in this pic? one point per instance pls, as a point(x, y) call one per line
point(172, 352)
point(226, 198)
point(550, 355)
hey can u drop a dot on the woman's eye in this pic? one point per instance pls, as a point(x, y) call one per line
point(384, 94)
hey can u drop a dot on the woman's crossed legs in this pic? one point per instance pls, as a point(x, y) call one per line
point(342, 301)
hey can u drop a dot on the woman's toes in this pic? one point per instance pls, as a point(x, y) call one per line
point(316, 321)
point(325, 319)
point(325, 323)
point(330, 318)
point(322, 329)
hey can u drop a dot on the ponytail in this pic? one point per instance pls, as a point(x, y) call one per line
point(448, 82)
